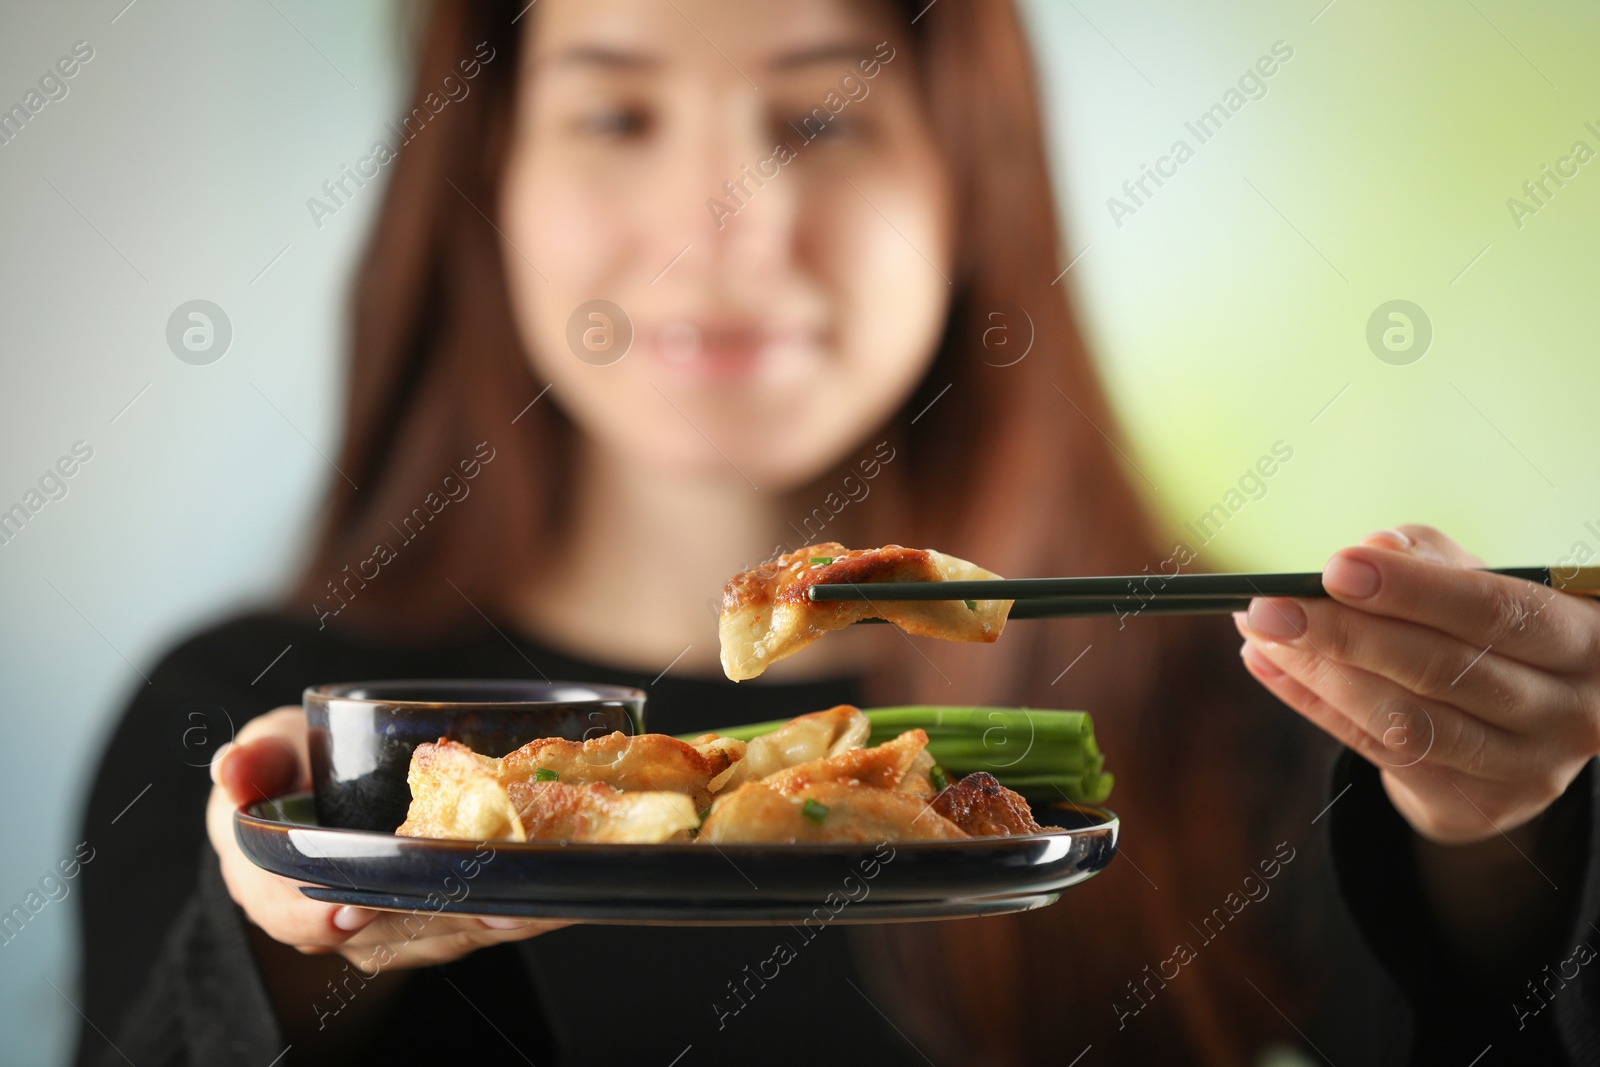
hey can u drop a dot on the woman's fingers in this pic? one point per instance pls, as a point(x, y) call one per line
point(1440, 803)
point(267, 758)
point(1420, 660)
point(273, 903)
point(256, 770)
point(418, 939)
point(1477, 695)
point(1424, 542)
point(1400, 728)
point(1321, 713)
point(1424, 584)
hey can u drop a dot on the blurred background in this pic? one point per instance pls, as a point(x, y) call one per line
point(1342, 260)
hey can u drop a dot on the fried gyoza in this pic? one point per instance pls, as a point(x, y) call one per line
point(918, 779)
point(556, 811)
point(639, 762)
point(767, 612)
point(881, 767)
point(828, 811)
point(812, 780)
point(805, 738)
point(458, 794)
point(983, 807)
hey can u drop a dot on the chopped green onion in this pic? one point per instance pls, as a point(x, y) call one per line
point(704, 812)
point(972, 606)
point(939, 779)
point(821, 561)
point(814, 811)
point(545, 774)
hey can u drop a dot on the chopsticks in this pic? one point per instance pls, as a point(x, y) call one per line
point(1182, 594)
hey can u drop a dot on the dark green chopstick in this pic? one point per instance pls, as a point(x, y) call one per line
point(1076, 607)
point(1100, 595)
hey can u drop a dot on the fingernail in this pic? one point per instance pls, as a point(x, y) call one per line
point(495, 922)
point(1276, 617)
point(216, 762)
point(350, 919)
point(1388, 539)
point(1240, 619)
point(1353, 578)
point(1258, 660)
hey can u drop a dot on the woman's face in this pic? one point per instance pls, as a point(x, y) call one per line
point(753, 183)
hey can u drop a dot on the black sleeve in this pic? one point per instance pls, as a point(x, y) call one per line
point(202, 1000)
point(204, 1003)
point(139, 900)
point(169, 976)
point(1553, 1018)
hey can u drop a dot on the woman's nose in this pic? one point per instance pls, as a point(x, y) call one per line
point(730, 199)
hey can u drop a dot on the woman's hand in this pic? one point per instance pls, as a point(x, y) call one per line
point(268, 759)
point(1477, 695)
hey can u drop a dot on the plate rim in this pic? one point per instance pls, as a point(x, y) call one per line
point(1108, 820)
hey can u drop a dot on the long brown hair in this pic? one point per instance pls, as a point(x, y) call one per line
point(1015, 463)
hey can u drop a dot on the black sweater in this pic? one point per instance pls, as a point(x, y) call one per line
point(169, 977)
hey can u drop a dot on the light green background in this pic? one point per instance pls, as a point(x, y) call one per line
point(1391, 143)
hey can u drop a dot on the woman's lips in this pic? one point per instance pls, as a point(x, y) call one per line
point(731, 352)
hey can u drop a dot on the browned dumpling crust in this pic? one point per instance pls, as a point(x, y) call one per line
point(637, 762)
point(768, 614)
point(458, 794)
point(556, 811)
point(813, 779)
point(827, 811)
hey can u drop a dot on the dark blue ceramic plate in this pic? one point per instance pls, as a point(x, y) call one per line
point(680, 883)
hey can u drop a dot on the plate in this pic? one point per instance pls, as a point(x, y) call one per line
point(680, 883)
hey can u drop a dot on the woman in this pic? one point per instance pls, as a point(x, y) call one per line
point(807, 217)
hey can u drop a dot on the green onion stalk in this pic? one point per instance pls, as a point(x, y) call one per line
point(1044, 755)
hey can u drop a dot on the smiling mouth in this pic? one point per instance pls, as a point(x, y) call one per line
point(731, 352)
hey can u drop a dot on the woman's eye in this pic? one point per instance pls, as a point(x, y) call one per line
point(812, 127)
point(617, 123)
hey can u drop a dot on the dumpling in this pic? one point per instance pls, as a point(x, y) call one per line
point(827, 811)
point(650, 762)
point(881, 767)
point(458, 794)
point(556, 811)
point(805, 738)
point(768, 614)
